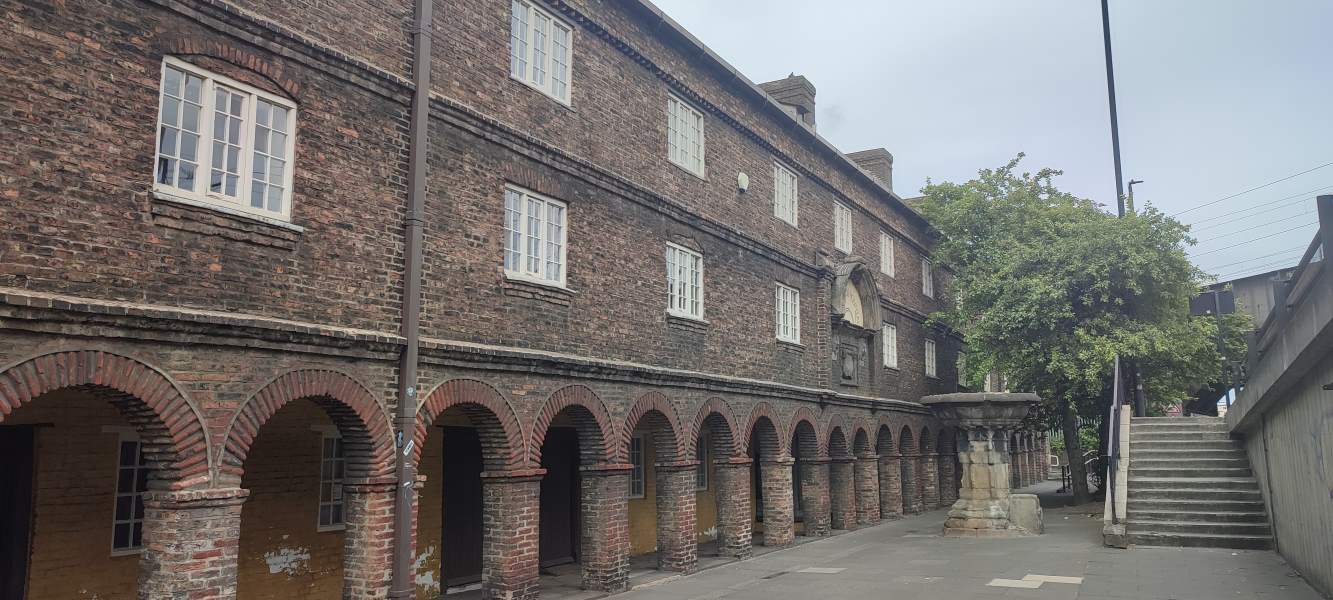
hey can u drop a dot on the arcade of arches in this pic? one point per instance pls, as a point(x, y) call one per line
point(287, 491)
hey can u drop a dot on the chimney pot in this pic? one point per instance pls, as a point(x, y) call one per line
point(877, 162)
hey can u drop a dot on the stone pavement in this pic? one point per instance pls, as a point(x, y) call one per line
point(908, 560)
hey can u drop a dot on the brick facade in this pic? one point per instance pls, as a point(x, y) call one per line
point(221, 339)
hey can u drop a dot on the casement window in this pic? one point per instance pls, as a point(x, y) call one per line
point(534, 228)
point(223, 143)
point(131, 483)
point(685, 276)
point(785, 196)
point(685, 136)
point(701, 470)
point(787, 307)
point(927, 279)
point(636, 472)
point(931, 367)
point(886, 254)
point(890, 345)
point(331, 465)
point(540, 49)
point(842, 227)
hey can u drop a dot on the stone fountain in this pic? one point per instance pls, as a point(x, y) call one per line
point(985, 422)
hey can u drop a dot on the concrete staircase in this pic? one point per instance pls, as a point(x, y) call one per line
point(1190, 484)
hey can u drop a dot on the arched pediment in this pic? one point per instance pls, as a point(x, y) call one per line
point(855, 296)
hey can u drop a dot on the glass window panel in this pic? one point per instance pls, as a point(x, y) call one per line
point(190, 117)
point(189, 146)
point(262, 111)
point(186, 180)
point(171, 81)
point(261, 139)
point(121, 539)
point(168, 142)
point(194, 89)
point(280, 119)
point(165, 167)
point(170, 111)
point(279, 145)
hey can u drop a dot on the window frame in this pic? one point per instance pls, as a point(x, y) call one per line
point(638, 472)
point(204, 152)
point(549, 58)
point(792, 216)
point(702, 456)
point(887, 251)
point(927, 278)
point(931, 360)
point(337, 496)
point(140, 464)
point(889, 331)
point(543, 241)
point(842, 227)
point(671, 288)
point(793, 300)
point(677, 101)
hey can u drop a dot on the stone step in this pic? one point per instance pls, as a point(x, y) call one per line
point(1205, 512)
point(1183, 436)
point(1140, 483)
point(1168, 445)
point(1200, 527)
point(1149, 420)
point(1173, 462)
point(1192, 540)
point(1178, 427)
point(1185, 454)
point(1163, 471)
point(1179, 493)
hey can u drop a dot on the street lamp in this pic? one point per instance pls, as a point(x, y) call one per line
point(1131, 193)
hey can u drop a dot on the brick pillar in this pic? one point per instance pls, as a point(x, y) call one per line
point(604, 527)
point(1028, 479)
point(779, 525)
point(815, 496)
point(677, 543)
point(733, 507)
point(511, 511)
point(911, 489)
point(1015, 480)
point(191, 541)
point(368, 540)
point(890, 487)
point(1044, 458)
point(867, 490)
point(929, 478)
point(842, 493)
point(948, 480)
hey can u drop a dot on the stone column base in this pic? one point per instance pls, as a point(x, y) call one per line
point(1019, 515)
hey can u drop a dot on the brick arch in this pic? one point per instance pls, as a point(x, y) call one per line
point(647, 407)
point(947, 441)
point(906, 442)
point(884, 438)
point(927, 441)
point(179, 44)
point(365, 426)
point(715, 415)
point(836, 437)
point(596, 430)
point(502, 446)
point(763, 422)
point(861, 446)
point(811, 436)
point(175, 440)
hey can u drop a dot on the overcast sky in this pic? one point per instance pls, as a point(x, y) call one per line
point(1215, 97)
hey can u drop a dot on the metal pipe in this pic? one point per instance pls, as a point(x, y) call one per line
point(403, 584)
point(1115, 122)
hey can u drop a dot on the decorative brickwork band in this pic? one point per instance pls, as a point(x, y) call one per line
point(842, 494)
point(815, 495)
point(175, 441)
point(929, 477)
point(604, 523)
point(867, 490)
point(677, 543)
point(368, 540)
point(733, 508)
point(191, 543)
point(509, 552)
point(890, 487)
point(779, 520)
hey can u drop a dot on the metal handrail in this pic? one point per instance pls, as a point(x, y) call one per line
point(1113, 442)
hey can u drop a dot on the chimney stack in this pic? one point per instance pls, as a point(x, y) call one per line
point(796, 94)
point(877, 162)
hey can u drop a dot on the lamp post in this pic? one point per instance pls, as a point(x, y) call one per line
point(1131, 193)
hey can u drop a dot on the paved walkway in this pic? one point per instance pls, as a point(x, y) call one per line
point(908, 560)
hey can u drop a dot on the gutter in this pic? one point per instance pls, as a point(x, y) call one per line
point(403, 583)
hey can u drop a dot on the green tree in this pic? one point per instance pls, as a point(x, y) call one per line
point(1048, 289)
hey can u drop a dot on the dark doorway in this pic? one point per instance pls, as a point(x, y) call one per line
point(460, 563)
point(16, 487)
point(559, 537)
point(756, 476)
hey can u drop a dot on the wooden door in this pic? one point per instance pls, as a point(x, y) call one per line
point(559, 533)
point(16, 490)
point(461, 482)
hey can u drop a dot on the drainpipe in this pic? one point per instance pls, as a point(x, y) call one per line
point(403, 585)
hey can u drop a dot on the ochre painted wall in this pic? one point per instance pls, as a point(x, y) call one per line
point(75, 493)
point(283, 554)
